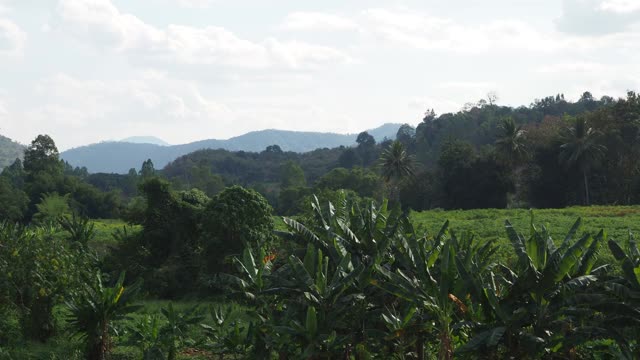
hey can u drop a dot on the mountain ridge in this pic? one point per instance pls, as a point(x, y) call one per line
point(9, 151)
point(119, 157)
point(145, 140)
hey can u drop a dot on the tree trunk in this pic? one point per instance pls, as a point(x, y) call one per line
point(446, 348)
point(586, 187)
point(98, 348)
point(37, 320)
point(420, 346)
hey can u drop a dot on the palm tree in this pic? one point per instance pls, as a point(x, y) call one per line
point(581, 149)
point(93, 309)
point(396, 164)
point(510, 142)
point(512, 148)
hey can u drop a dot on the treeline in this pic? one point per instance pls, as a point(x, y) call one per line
point(553, 153)
point(42, 187)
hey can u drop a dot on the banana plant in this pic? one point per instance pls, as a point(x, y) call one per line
point(93, 309)
point(227, 335)
point(362, 234)
point(254, 276)
point(424, 276)
point(322, 294)
point(622, 307)
point(175, 332)
point(254, 268)
point(399, 324)
point(542, 305)
point(314, 342)
point(145, 334)
point(81, 230)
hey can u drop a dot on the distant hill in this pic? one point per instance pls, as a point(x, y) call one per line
point(119, 157)
point(9, 151)
point(145, 140)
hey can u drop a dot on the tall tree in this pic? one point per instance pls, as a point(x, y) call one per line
point(42, 156)
point(147, 169)
point(291, 175)
point(365, 139)
point(510, 141)
point(14, 201)
point(349, 158)
point(581, 150)
point(512, 150)
point(14, 174)
point(366, 148)
point(406, 135)
point(396, 165)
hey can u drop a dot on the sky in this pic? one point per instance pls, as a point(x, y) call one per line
point(85, 71)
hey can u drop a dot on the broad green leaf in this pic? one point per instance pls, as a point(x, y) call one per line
point(485, 339)
point(312, 321)
point(572, 232)
point(616, 250)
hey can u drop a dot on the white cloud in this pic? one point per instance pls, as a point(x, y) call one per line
point(3, 109)
point(99, 21)
point(200, 4)
point(598, 17)
point(77, 111)
point(439, 104)
point(423, 31)
point(574, 67)
point(12, 38)
point(94, 110)
point(317, 21)
point(469, 85)
point(621, 6)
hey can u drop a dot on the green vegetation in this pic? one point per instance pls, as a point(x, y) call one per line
point(191, 265)
point(488, 224)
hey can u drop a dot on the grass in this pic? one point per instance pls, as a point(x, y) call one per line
point(105, 228)
point(489, 224)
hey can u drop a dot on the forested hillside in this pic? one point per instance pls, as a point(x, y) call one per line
point(9, 151)
point(552, 153)
point(119, 157)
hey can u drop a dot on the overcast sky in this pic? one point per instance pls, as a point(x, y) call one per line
point(183, 70)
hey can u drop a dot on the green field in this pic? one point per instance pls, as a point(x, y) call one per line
point(489, 224)
point(105, 228)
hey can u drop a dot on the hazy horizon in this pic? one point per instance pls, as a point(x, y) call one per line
point(139, 137)
point(84, 71)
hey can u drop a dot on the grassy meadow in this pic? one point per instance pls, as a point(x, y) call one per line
point(489, 224)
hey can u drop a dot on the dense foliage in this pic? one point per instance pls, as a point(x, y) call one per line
point(342, 277)
point(42, 186)
point(553, 153)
